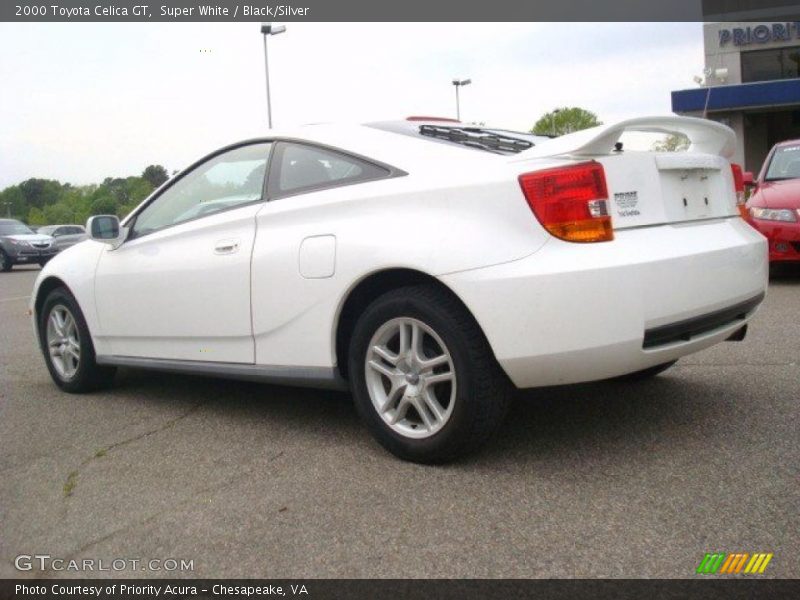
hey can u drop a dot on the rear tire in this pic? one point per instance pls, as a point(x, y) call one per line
point(442, 387)
point(648, 373)
point(5, 262)
point(67, 345)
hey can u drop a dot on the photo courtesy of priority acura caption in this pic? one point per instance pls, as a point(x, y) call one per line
point(428, 266)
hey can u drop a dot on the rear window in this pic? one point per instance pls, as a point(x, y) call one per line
point(497, 141)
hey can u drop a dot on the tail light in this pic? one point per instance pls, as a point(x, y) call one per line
point(738, 185)
point(570, 202)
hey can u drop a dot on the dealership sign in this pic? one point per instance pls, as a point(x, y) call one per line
point(759, 34)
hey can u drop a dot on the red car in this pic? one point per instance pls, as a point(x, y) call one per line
point(774, 207)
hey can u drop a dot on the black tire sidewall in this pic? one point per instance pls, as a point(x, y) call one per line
point(446, 442)
point(5, 263)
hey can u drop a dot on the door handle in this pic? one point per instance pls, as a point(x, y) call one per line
point(226, 247)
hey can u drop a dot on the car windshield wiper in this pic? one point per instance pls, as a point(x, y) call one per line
point(476, 138)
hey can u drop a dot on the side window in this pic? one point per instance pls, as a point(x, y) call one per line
point(225, 181)
point(300, 168)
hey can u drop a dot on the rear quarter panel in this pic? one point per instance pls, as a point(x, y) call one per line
point(451, 217)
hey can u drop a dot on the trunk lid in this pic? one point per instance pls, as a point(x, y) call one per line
point(653, 188)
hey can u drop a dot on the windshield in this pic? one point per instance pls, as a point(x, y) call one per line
point(785, 164)
point(14, 228)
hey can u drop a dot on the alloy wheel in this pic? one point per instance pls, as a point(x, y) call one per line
point(63, 342)
point(410, 377)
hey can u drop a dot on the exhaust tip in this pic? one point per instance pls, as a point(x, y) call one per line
point(738, 335)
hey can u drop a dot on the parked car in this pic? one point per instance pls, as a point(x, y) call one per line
point(65, 235)
point(429, 267)
point(774, 204)
point(19, 245)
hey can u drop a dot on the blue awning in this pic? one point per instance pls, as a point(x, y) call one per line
point(781, 92)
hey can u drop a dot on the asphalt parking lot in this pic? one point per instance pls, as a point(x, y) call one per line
point(598, 480)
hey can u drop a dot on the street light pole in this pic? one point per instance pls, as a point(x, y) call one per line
point(459, 83)
point(553, 121)
point(268, 29)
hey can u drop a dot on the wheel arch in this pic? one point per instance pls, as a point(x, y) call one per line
point(48, 285)
point(365, 291)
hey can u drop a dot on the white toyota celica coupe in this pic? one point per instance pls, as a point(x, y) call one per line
point(426, 265)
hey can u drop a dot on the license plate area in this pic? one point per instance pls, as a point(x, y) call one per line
point(689, 194)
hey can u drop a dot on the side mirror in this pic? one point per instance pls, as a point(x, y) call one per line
point(106, 229)
point(747, 179)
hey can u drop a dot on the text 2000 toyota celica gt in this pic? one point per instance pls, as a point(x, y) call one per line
point(426, 265)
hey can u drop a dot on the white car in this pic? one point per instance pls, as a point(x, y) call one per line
point(428, 266)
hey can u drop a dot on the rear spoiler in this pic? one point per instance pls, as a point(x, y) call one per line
point(705, 136)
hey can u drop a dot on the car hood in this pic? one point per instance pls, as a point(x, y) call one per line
point(778, 194)
point(29, 237)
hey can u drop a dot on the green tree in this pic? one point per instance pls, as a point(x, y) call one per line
point(155, 175)
point(104, 205)
point(565, 120)
point(36, 217)
point(40, 192)
point(672, 143)
point(57, 213)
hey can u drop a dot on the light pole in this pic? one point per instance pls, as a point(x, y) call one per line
point(268, 29)
point(459, 83)
point(553, 120)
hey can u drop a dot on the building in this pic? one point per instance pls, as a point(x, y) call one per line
point(751, 82)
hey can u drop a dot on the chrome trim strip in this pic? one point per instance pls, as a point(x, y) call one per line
point(317, 377)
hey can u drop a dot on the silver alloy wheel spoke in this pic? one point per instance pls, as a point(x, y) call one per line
point(63, 342)
point(405, 363)
point(438, 378)
point(386, 354)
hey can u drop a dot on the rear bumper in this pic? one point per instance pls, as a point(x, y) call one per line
point(580, 312)
point(784, 239)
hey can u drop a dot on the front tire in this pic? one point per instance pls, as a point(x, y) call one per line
point(67, 345)
point(5, 262)
point(424, 379)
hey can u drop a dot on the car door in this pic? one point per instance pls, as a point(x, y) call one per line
point(60, 237)
point(72, 235)
point(64, 237)
point(179, 286)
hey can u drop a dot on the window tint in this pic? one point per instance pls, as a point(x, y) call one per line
point(225, 181)
point(306, 168)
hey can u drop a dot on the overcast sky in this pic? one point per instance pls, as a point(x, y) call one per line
point(80, 102)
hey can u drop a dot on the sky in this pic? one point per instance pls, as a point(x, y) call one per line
point(84, 101)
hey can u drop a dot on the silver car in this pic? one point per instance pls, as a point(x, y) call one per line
point(65, 235)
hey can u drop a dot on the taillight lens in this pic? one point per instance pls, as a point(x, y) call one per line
point(570, 202)
point(738, 185)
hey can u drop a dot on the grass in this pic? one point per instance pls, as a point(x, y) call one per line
point(70, 483)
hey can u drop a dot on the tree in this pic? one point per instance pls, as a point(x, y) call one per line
point(565, 120)
point(155, 175)
point(672, 143)
point(104, 205)
point(36, 217)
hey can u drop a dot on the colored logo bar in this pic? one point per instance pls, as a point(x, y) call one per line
point(732, 563)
